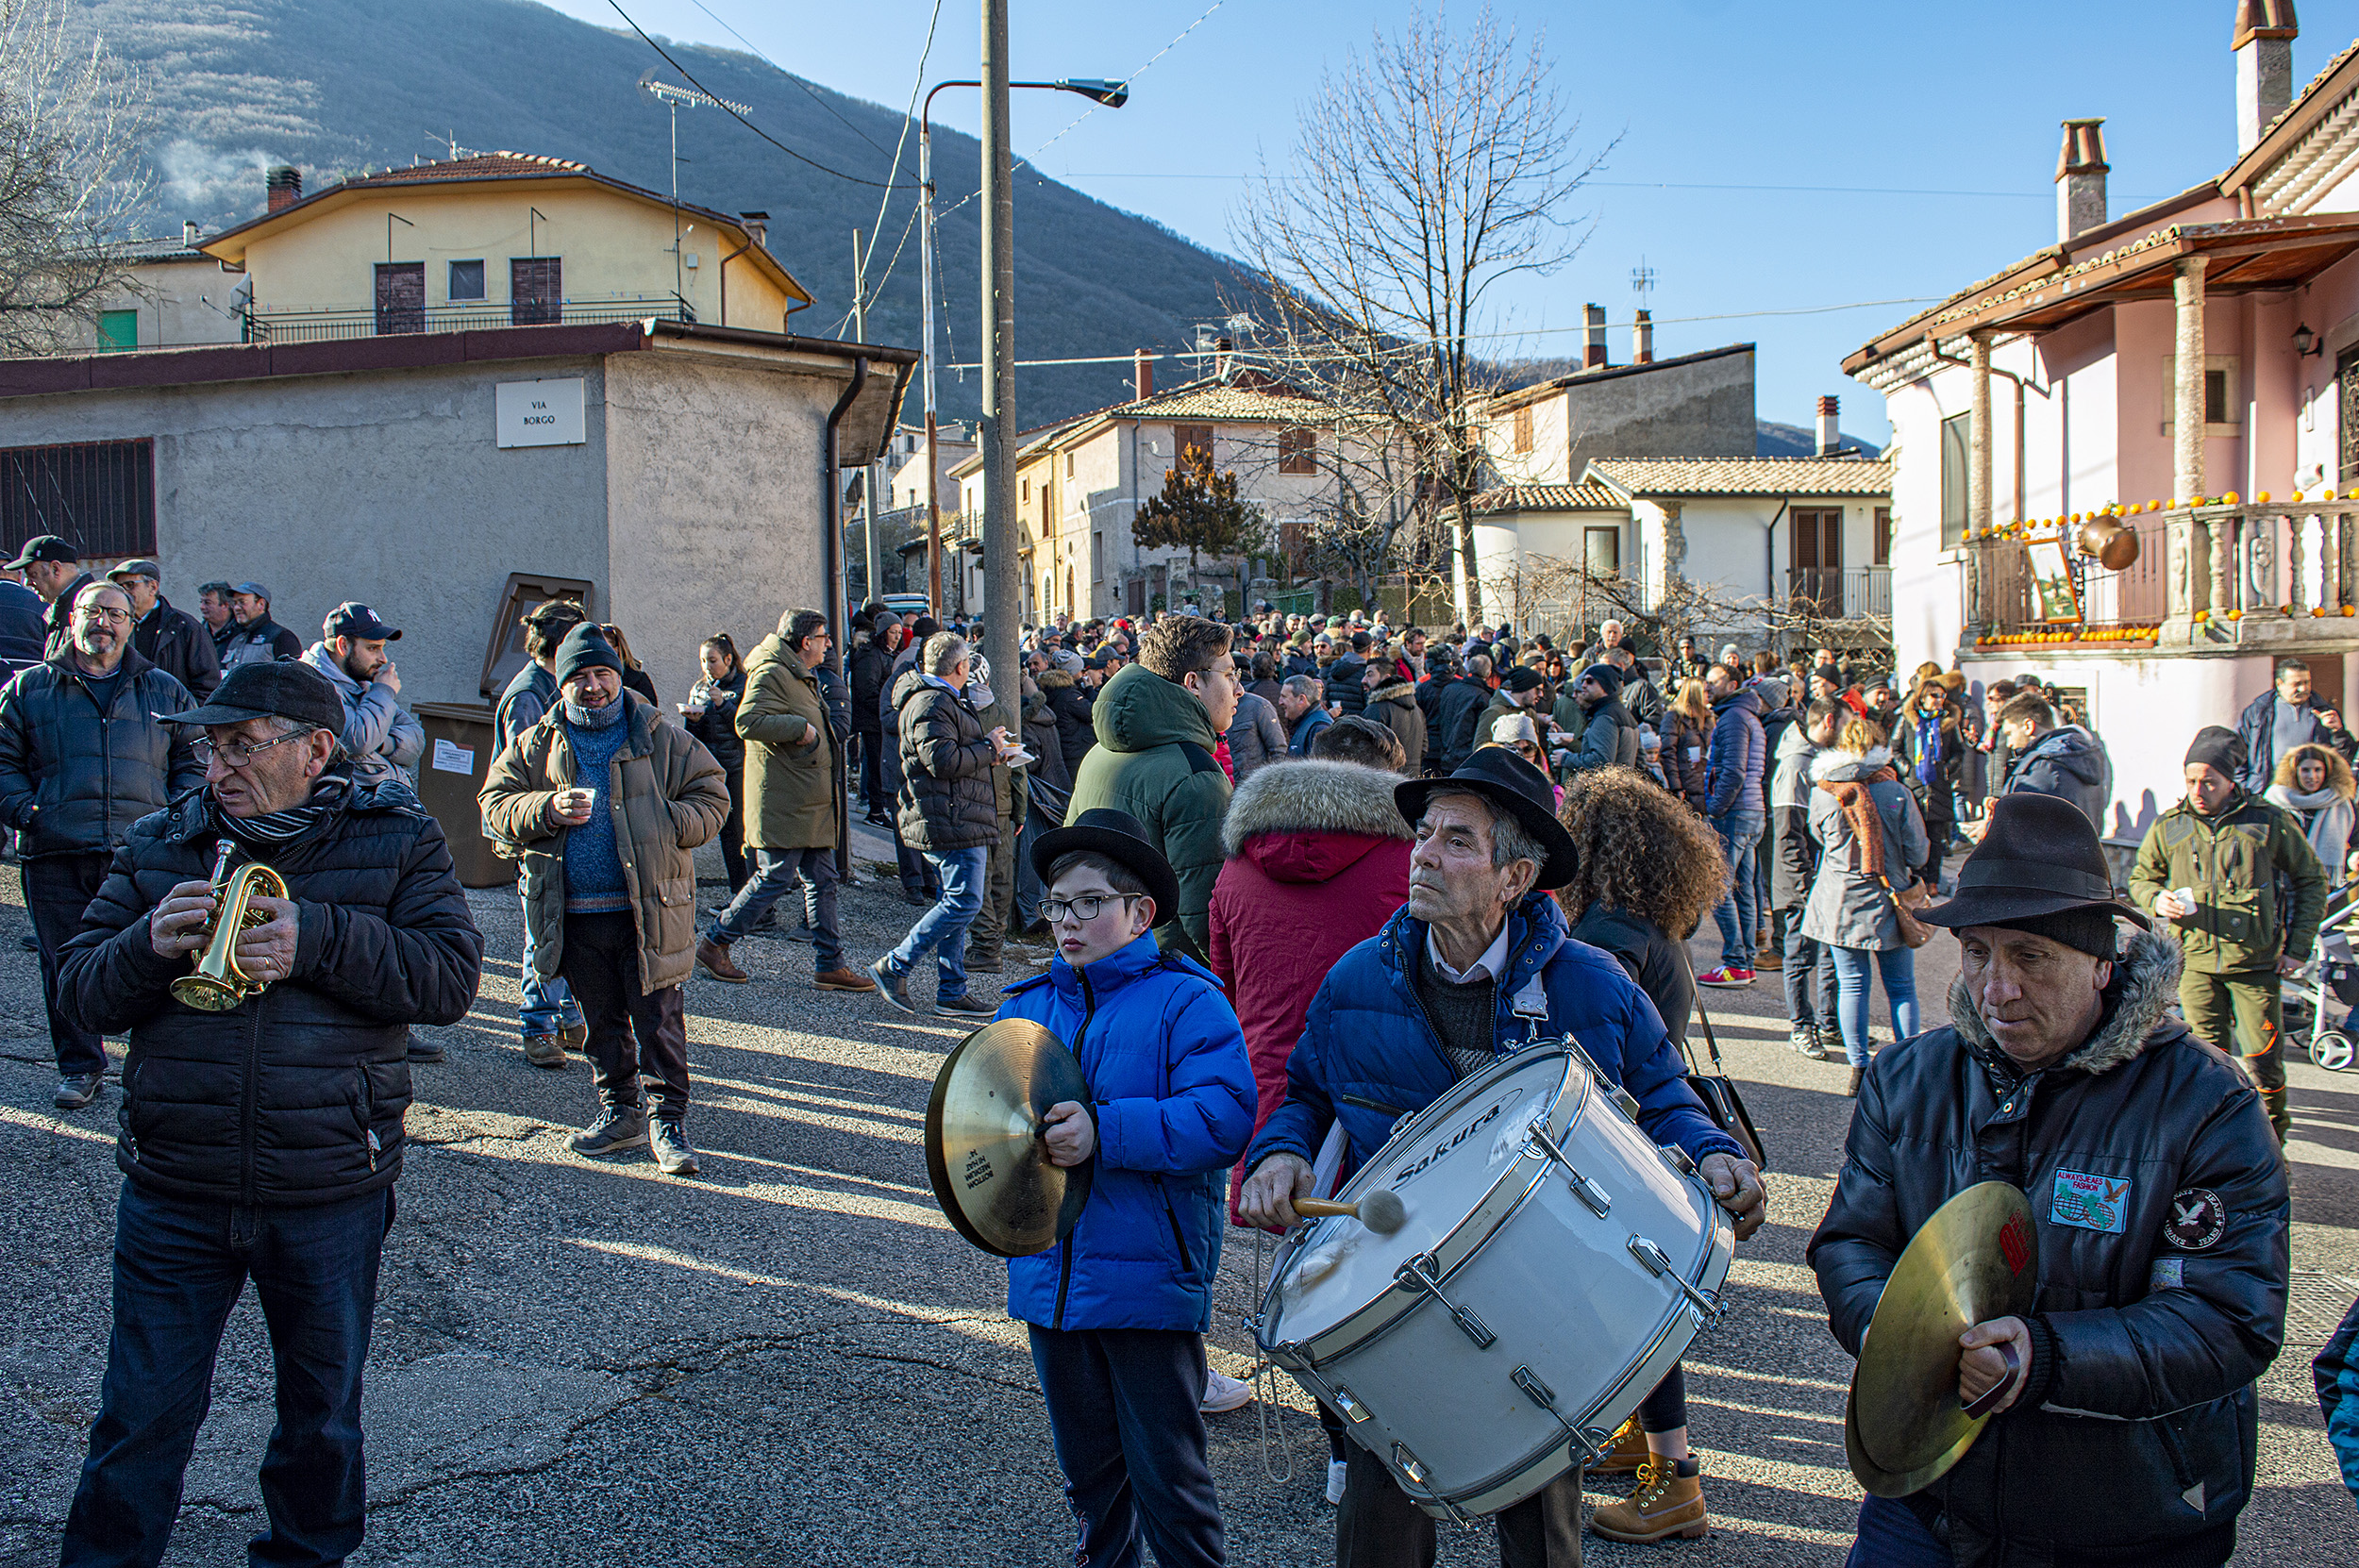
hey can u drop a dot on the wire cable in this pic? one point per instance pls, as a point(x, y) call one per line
point(1135, 74)
point(790, 76)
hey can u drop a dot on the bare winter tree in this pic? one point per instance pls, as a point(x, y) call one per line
point(71, 117)
point(1425, 172)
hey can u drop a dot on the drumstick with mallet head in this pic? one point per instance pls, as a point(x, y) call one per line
point(1380, 1210)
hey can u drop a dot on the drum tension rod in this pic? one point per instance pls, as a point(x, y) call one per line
point(1588, 1446)
point(1423, 1274)
point(1658, 1264)
point(1585, 1190)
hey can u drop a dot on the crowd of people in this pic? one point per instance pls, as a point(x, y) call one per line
point(1281, 883)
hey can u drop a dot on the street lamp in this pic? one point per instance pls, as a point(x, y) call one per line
point(1096, 88)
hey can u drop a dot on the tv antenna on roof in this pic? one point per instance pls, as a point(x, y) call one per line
point(1642, 281)
point(675, 98)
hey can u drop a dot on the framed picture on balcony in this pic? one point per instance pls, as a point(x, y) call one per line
point(2053, 599)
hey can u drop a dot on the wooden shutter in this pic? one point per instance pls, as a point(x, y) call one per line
point(1523, 428)
point(536, 290)
point(1297, 450)
point(400, 296)
point(1185, 436)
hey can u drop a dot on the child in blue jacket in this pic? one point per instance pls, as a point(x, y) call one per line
point(1119, 1309)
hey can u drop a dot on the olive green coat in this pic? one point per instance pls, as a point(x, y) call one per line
point(668, 795)
point(790, 784)
point(2234, 863)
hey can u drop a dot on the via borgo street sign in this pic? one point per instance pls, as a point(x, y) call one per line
point(540, 414)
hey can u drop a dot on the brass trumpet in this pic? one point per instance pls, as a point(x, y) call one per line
point(218, 984)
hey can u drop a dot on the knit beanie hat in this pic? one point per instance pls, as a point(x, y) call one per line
point(2220, 748)
point(585, 647)
point(1605, 675)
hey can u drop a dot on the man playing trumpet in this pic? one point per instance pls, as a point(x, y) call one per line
point(263, 1141)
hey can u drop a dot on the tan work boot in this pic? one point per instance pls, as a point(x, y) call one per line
point(842, 978)
point(1666, 1504)
point(713, 959)
point(1625, 1454)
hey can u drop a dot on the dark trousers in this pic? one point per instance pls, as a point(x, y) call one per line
point(1809, 977)
point(57, 888)
point(180, 1267)
point(1378, 1527)
point(1891, 1536)
point(733, 832)
point(1123, 1416)
point(779, 869)
point(872, 788)
point(2241, 1014)
point(1666, 1410)
point(989, 933)
point(601, 964)
point(917, 875)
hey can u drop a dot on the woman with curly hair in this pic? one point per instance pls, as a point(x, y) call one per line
point(1649, 868)
point(2314, 783)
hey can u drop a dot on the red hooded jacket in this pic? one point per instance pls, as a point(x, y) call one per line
point(1317, 861)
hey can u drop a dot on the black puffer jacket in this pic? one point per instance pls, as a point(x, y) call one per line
point(716, 727)
point(178, 643)
point(2134, 1442)
point(871, 667)
point(1071, 704)
point(947, 800)
point(296, 1096)
point(74, 777)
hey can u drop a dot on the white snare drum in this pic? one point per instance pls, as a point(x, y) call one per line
point(1554, 1264)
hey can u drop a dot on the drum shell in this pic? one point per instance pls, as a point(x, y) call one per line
point(1571, 1306)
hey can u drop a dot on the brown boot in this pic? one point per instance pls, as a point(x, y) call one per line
point(713, 959)
point(841, 978)
point(1625, 1454)
point(1851, 1090)
point(1665, 1503)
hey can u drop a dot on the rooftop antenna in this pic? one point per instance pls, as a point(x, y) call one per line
point(1642, 281)
point(674, 99)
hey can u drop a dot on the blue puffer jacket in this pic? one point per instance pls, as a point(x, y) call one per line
point(1739, 755)
point(1173, 1093)
point(1368, 1056)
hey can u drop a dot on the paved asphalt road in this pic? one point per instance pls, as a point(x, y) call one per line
point(794, 1361)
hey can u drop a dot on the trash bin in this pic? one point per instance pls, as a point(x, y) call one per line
point(461, 741)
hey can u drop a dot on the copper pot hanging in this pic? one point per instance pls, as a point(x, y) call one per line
point(2109, 542)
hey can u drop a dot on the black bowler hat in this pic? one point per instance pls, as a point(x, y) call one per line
point(1505, 779)
point(2040, 856)
point(286, 689)
point(1122, 839)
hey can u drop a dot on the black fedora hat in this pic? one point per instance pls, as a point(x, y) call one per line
point(2040, 856)
point(1505, 779)
point(1122, 839)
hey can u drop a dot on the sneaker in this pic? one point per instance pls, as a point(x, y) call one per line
point(1727, 977)
point(1223, 1393)
point(544, 1050)
point(1625, 1454)
point(669, 1141)
point(713, 959)
point(1804, 1038)
point(1336, 1471)
point(617, 1128)
point(575, 1035)
point(893, 987)
point(841, 978)
point(915, 900)
point(76, 1089)
point(1665, 1503)
point(976, 1007)
point(423, 1050)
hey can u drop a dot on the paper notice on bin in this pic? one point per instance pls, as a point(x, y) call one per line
point(452, 758)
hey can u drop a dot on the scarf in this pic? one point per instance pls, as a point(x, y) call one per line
point(278, 830)
point(2327, 820)
point(1866, 823)
point(595, 718)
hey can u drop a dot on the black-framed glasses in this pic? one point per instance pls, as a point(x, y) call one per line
point(1084, 908)
point(240, 754)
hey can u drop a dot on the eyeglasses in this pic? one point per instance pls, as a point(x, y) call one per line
point(1084, 908)
point(99, 612)
point(240, 754)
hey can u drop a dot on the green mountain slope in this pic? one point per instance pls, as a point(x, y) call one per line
point(341, 86)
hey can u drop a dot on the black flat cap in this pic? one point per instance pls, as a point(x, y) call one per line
point(286, 688)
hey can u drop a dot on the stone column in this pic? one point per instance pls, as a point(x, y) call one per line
point(2186, 392)
point(1978, 483)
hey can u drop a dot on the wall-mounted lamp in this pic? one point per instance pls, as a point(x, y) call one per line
point(2306, 342)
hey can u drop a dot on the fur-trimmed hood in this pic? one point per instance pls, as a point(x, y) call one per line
point(1395, 690)
point(1313, 797)
point(2145, 982)
point(1053, 679)
point(1837, 766)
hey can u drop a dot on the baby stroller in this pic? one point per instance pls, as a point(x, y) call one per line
point(2320, 998)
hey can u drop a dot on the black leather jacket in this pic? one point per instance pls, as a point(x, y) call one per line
point(2134, 1442)
point(76, 777)
point(296, 1096)
point(178, 643)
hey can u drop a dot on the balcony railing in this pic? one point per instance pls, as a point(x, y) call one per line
point(307, 326)
point(1839, 592)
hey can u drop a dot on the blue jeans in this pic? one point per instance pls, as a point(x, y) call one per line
point(549, 1005)
point(180, 1267)
point(775, 870)
point(1899, 968)
point(943, 926)
point(1123, 1417)
point(1810, 989)
point(1739, 912)
point(1890, 1536)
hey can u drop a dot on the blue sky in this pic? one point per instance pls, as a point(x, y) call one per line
point(1723, 108)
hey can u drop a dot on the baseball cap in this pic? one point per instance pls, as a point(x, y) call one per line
point(354, 619)
point(138, 569)
point(286, 688)
point(43, 548)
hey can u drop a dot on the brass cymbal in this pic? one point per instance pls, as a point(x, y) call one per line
point(983, 1122)
point(1974, 1259)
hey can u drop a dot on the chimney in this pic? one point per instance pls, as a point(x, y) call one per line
point(1142, 373)
point(1593, 321)
point(1829, 439)
point(758, 225)
point(1222, 348)
point(2263, 46)
point(284, 185)
point(189, 232)
point(2081, 179)
point(1642, 338)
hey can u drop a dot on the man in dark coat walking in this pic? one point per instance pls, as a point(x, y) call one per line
point(173, 640)
point(2285, 716)
point(871, 671)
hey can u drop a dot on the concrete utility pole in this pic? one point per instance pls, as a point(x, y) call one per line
point(997, 430)
point(868, 475)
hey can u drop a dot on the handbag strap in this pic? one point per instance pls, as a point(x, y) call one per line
point(1710, 1042)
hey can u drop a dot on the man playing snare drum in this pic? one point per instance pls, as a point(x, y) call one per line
point(1474, 968)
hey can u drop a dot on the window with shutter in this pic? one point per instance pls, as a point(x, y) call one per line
point(1523, 428)
point(400, 296)
point(1883, 536)
point(536, 290)
point(1183, 437)
point(1953, 460)
point(1297, 452)
point(118, 330)
point(99, 494)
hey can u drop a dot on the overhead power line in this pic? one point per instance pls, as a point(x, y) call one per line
point(815, 95)
point(1618, 185)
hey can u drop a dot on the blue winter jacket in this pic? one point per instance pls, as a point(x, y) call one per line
point(1172, 1088)
point(2336, 1371)
point(1739, 755)
point(1368, 1056)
